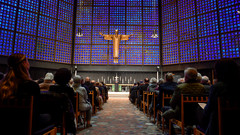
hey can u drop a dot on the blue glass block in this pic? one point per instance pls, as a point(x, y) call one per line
point(209, 48)
point(204, 6)
point(165, 2)
point(186, 8)
point(150, 16)
point(150, 3)
point(30, 5)
point(101, 2)
point(230, 45)
point(45, 49)
point(82, 54)
point(237, 2)
point(10, 2)
point(169, 13)
point(133, 55)
point(27, 22)
point(6, 41)
point(7, 17)
point(147, 33)
point(134, 16)
point(121, 31)
point(65, 12)
point(69, 1)
point(96, 37)
point(169, 33)
point(187, 29)
point(99, 54)
point(64, 32)
point(100, 15)
point(121, 59)
point(134, 3)
point(46, 27)
point(225, 3)
point(84, 2)
point(117, 2)
point(229, 19)
point(170, 54)
point(137, 34)
point(63, 52)
point(151, 55)
point(25, 44)
point(188, 51)
point(84, 15)
point(207, 24)
point(49, 8)
point(117, 15)
point(86, 38)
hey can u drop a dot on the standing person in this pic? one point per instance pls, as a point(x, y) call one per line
point(48, 81)
point(84, 105)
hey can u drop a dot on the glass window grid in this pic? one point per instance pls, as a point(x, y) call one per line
point(117, 2)
point(121, 30)
point(170, 33)
point(63, 52)
point(84, 2)
point(137, 35)
point(229, 19)
point(86, 31)
point(117, 15)
point(209, 48)
point(225, 3)
point(133, 55)
point(150, 15)
point(65, 12)
point(230, 45)
point(27, 22)
point(169, 13)
point(96, 37)
point(7, 17)
point(49, 8)
point(153, 3)
point(121, 59)
point(99, 54)
point(30, 5)
point(6, 39)
point(151, 55)
point(10, 2)
point(69, 1)
point(187, 29)
point(134, 16)
point(134, 3)
point(100, 15)
point(84, 15)
point(204, 6)
point(45, 49)
point(101, 3)
point(186, 8)
point(148, 31)
point(25, 44)
point(82, 54)
point(165, 2)
point(188, 51)
point(170, 54)
point(207, 24)
point(64, 32)
point(47, 27)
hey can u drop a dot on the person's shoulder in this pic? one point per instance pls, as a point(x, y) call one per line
point(30, 83)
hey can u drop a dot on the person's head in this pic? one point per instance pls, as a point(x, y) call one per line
point(190, 74)
point(48, 77)
point(227, 70)
point(153, 80)
point(160, 81)
point(169, 77)
point(18, 72)
point(93, 82)
point(62, 76)
point(135, 84)
point(205, 80)
point(87, 80)
point(77, 80)
point(146, 80)
point(199, 78)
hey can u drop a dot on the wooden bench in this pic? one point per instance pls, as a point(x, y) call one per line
point(186, 99)
point(154, 98)
point(94, 108)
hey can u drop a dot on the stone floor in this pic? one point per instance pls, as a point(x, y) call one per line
point(120, 117)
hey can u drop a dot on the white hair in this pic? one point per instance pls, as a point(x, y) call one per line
point(153, 80)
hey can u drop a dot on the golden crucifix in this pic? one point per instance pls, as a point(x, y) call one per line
point(116, 40)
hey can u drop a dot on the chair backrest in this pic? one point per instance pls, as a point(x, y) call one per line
point(228, 115)
point(165, 97)
point(191, 101)
point(16, 116)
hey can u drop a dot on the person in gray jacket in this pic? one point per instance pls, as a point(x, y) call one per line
point(84, 105)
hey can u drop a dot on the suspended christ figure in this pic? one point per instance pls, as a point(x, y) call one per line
point(116, 40)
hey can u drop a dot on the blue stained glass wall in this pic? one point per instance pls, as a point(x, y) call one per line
point(170, 55)
point(40, 29)
point(150, 55)
point(188, 51)
point(82, 54)
point(99, 54)
point(134, 55)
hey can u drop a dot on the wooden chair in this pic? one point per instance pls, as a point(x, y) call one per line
point(197, 131)
point(186, 99)
point(149, 94)
point(143, 102)
point(154, 96)
point(94, 108)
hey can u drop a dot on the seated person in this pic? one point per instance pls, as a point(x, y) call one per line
point(48, 81)
point(84, 105)
point(206, 83)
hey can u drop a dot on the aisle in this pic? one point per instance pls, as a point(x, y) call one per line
point(120, 117)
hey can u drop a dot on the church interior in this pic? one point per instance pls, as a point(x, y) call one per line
point(115, 52)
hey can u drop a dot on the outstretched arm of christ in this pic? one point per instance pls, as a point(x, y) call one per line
point(106, 37)
point(126, 37)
